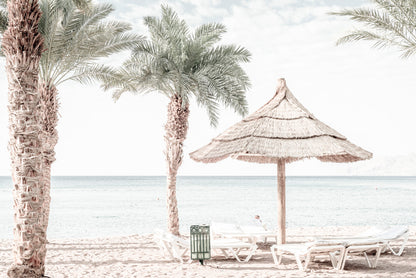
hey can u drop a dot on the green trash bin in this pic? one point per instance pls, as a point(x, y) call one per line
point(200, 243)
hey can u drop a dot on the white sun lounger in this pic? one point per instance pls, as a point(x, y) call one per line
point(251, 233)
point(307, 252)
point(387, 234)
point(159, 238)
point(391, 234)
point(363, 246)
point(233, 246)
point(258, 233)
point(173, 246)
point(337, 249)
point(176, 247)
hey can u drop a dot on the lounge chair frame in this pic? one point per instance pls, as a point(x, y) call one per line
point(300, 252)
point(404, 237)
point(233, 247)
point(363, 249)
point(177, 248)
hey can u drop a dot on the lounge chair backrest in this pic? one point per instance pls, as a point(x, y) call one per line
point(385, 232)
point(252, 229)
point(364, 241)
point(160, 234)
point(321, 243)
point(178, 240)
point(373, 231)
point(218, 228)
point(393, 233)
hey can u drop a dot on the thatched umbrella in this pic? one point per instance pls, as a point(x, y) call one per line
point(281, 131)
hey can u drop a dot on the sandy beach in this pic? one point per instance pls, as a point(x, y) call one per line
point(139, 256)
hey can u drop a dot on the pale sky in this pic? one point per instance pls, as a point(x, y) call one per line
point(366, 94)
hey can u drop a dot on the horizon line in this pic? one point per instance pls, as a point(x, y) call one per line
point(342, 176)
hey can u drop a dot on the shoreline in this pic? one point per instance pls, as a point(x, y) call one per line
point(138, 256)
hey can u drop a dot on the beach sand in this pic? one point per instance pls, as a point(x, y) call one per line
point(139, 256)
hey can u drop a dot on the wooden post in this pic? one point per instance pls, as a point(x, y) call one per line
point(281, 201)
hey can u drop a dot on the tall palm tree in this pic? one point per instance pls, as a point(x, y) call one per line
point(389, 23)
point(22, 45)
point(75, 39)
point(76, 35)
point(181, 65)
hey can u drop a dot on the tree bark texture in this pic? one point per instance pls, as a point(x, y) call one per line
point(22, 46)
point(176, 129)
point(49, 120)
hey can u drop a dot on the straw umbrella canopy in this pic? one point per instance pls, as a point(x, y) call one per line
point(280, 132)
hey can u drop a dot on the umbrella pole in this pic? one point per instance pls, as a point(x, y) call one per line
point(281, 201)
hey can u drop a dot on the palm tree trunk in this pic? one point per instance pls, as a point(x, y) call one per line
point(49, 120)
point(176, 129)
point(22, 46)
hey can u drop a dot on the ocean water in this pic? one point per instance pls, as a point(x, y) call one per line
point(85, 207)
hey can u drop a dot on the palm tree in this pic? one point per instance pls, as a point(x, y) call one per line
point(22, 45)
point(76, 36)
point(390, 23)
point(75, 40)
point(181, 65)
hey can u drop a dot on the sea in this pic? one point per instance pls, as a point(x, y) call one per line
point(90, 207)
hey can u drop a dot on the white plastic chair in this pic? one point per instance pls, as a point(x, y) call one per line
point(233, 246)
point(258, 233)
point(394, 233)
point(177, 248)
point(160, 238)
point(358, 245)
point(251, 233)
point(307, 252)
point(363, 246)
point(172, 246)
point(387, 234)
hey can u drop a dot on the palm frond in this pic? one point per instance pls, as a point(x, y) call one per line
point(104, 45)
point(80, 40)
point(82, 20)
point(379, 20)
point(175, 61)
point(84, 5)
point(141, 75)
point(3, 20)
point(111, 27)
point(408, 50)
point(3, 26)
point(206, 99)
point(156, 29)
point(91, 73)
point(228, 83)
point(404, 11)
point(208, 34)
point(162, 59)
point(75, 29)
point(390, 23)
point(357, 35)
point(48, 25)
point(169, 32)
point(227, 53)
point(171, 21)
